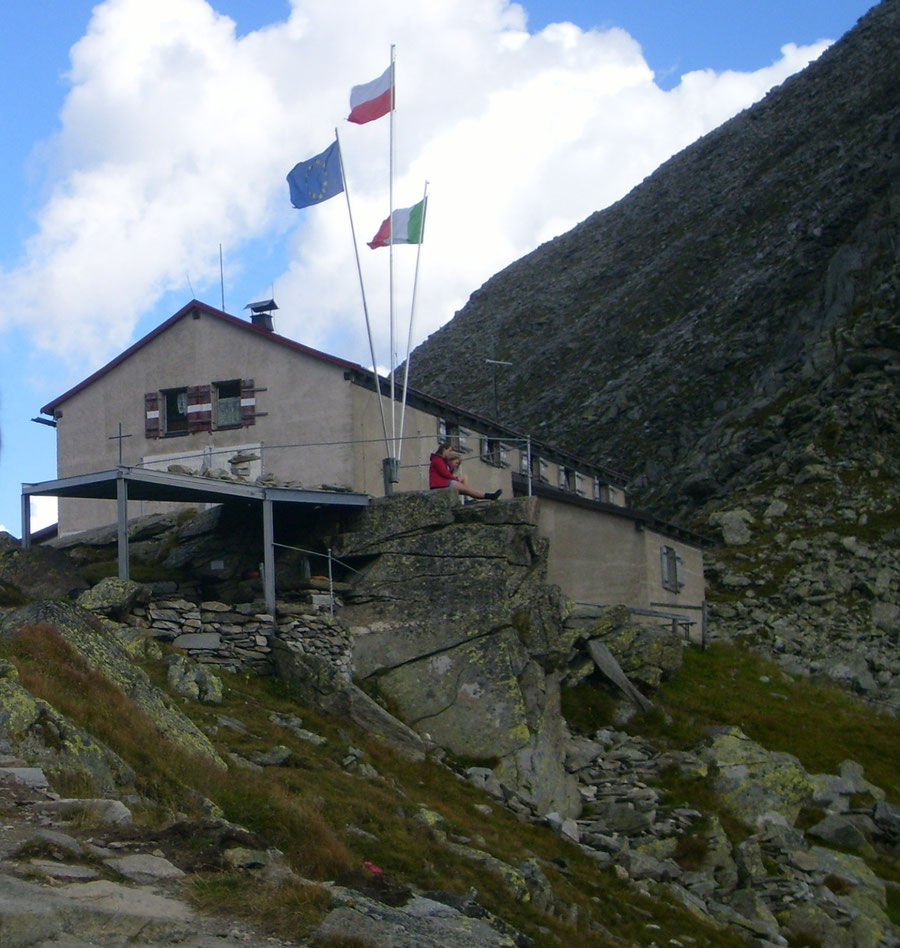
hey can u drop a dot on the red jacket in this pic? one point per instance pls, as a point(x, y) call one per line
point(439, 472)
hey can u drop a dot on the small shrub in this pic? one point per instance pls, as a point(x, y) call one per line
point(690, 851)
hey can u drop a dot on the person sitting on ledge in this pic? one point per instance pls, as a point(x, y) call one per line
point(440, 474)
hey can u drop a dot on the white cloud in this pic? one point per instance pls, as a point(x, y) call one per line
point(44, 512)
point(176, 136)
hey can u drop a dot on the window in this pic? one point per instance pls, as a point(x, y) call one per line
point(566, 478)
point(455, 434)
point(175, 411)
point(494, 452)
point(540, 469)
point(579, 484)
point(228, 403)
point(198, 408)
point(671, 568)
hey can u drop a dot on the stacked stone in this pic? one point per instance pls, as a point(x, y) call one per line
point(621, 811)
point(233, 637)
point(237, 637)
point(317, 635)
point(777, 883)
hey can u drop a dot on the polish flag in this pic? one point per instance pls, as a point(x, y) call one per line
point(372, 99)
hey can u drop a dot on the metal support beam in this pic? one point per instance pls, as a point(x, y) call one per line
point(269, 557)
point(26, 521)
point(122, 520)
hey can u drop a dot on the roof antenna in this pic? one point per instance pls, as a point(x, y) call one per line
point(187, 276)
point(222, 277)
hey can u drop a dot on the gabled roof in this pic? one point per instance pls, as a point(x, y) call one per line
point(207, 310)
point(355, 373)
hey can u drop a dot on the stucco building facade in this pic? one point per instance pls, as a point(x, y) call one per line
point(206, 391)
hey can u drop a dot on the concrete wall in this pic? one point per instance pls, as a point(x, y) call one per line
point(307, 401)
point(600, 556)
point(420, 439)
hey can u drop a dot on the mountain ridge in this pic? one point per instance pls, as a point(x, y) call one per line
point(756, 267)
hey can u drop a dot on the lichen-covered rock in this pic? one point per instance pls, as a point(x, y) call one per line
point(647, 654)
point(193, 680)
point(113, 597)
point(734, 526)
point(104, 654)
point(754, 781)
point(37, 732)
point(452, 617)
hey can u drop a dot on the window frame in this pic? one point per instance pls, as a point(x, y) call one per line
point(183, 427)
point(671, 566)
point(233, 399)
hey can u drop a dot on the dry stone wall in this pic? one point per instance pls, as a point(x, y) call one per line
point(238, 638)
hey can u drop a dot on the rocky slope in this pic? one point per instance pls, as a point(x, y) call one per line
point(447, 620)
point(727, 334)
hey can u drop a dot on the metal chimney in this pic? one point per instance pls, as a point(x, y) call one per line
point(261, 313)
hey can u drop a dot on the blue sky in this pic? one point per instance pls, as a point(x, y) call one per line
point(171, 130)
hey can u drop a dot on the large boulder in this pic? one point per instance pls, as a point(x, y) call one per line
point(754, 781)
point(113, 597)
point(646, 654)
point(452, 621)
point(40, 571)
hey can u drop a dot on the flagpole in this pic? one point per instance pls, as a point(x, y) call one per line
point(395, 452)
point(362, 290)
point(412, 312)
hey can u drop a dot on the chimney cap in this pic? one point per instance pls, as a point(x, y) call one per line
point(263, 306)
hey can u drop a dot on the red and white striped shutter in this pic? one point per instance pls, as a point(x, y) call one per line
point(199, 410)
point(248, 402)
point(151, 415)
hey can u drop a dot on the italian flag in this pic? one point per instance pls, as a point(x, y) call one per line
point(372, 99)
point(404, 226)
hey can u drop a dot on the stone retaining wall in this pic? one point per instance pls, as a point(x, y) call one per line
point(238, 638)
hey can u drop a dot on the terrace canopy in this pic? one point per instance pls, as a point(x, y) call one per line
point(130, 483)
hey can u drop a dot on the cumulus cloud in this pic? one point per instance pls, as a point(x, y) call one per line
point(176, 135)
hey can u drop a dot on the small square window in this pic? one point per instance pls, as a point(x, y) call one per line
point(494, 452)
point(228, 403)
point(455, 434)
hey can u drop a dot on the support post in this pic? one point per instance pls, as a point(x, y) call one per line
point(530, 475)
point(26, 521)
point(122, 520)
point(269, 557)
point(390, 470)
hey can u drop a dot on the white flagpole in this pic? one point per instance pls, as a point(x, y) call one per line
point(412, 311)
point(393, 453)
point(362, 290)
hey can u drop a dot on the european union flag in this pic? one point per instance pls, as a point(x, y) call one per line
point(318, 179)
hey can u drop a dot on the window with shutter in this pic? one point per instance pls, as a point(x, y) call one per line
point(671, 568)
point(174, 405)
point(199, 408)
point(151, 415)
point(248, 403)
point(228, 404)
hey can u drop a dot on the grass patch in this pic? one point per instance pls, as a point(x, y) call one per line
point(138, 571)
point(818, 722)
point(281, 910)
point(587, 707)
